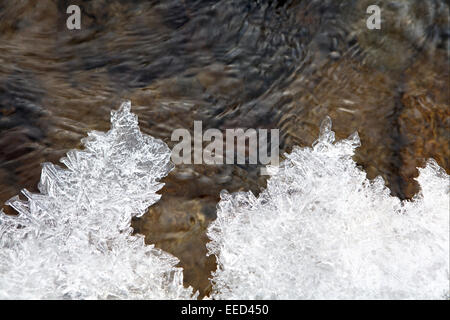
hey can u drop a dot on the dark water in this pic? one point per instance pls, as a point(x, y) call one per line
point(250, 64)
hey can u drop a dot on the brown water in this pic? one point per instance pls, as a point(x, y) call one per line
point(250, 64)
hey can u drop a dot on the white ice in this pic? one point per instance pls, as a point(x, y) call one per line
point(322, 230)
point(73, 240)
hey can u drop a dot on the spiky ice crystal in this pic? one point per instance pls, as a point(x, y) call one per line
point(74, 240)
point(322, 230)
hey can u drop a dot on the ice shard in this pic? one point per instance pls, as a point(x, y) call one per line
point(73, 240)
point(322, 230)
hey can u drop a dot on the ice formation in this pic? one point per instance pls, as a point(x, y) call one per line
point(322, 230)
point(74, 240)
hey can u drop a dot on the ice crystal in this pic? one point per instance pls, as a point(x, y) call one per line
point(322, 230)
point(74, 240)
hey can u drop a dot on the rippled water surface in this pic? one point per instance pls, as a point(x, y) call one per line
point(249, 64)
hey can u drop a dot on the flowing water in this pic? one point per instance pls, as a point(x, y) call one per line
point(250, 64)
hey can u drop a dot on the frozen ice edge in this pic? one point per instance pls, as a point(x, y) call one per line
point(322, 230)
point(73, 240)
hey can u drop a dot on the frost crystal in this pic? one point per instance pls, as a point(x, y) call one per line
point(321, 230)
point(74, 240)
